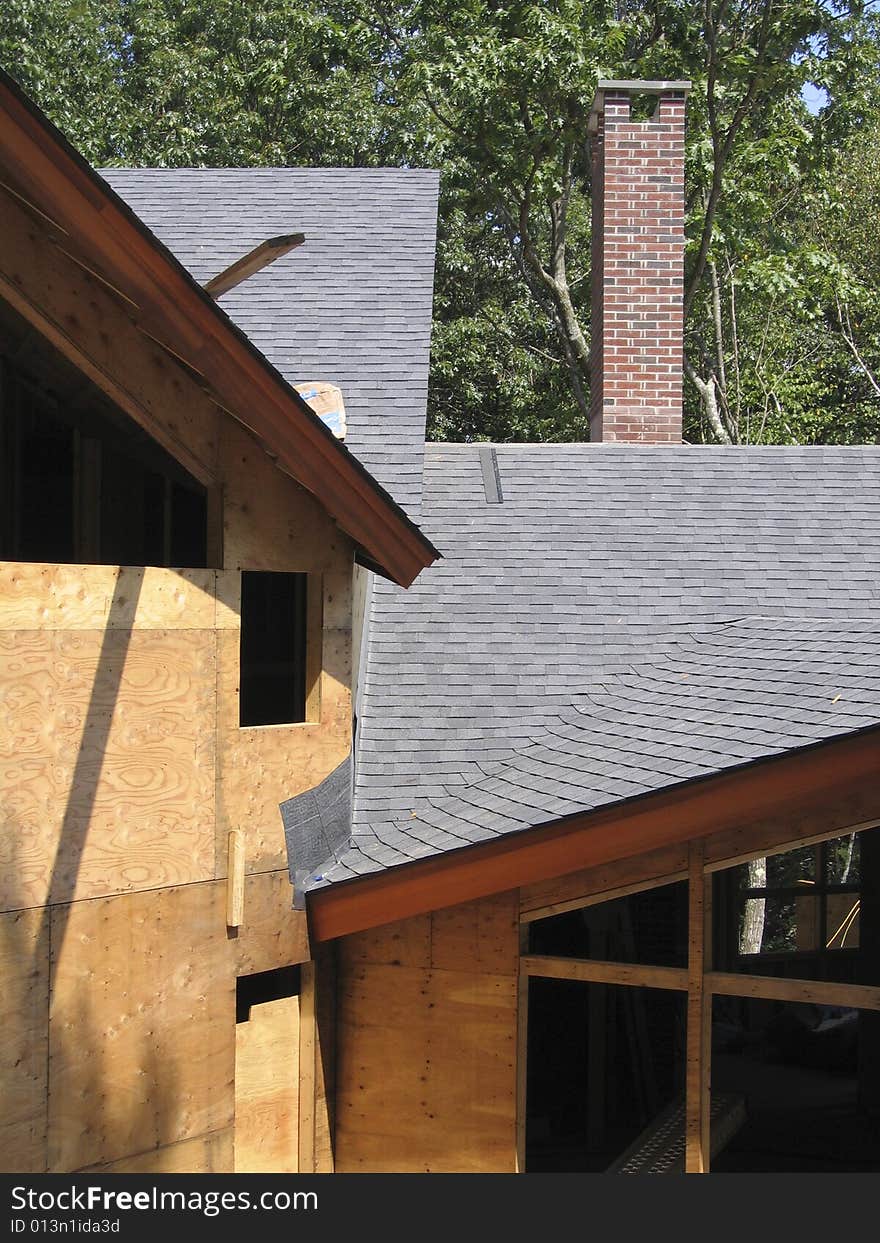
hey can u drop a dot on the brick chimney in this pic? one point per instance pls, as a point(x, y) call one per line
point(638, 264)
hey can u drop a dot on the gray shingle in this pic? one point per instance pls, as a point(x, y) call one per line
point(352, 306)
point(627, 618)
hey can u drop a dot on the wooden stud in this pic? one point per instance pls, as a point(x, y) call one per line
point(235, 879)
point(522, 1049)
point(86, 323)
point(214, 525)
point(307, 1078)
point(612, 880)
point(314, 645)
point(605, 895)
point(817, 992)
point(325, 1060)
point(742, 844)
point(605, 972)
point(697, 1079)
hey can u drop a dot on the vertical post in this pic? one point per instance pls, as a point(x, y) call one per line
point(214, 533)
point(307, 1067)
point(235, 879)
point(597, 1024)
point(522, 1047)
point(699, 1017)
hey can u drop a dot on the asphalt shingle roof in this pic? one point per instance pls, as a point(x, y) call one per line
point(352, 305)
point(626, 619)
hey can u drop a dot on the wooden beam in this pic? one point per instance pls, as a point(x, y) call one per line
point(314, 645)
point(601, 884)
point(699, 1019)
point(254, 261)
point(604, 895)
point(522, 1048)
point(817, 992)
point(173, 308)
point(754, 841)
point(235, 879)
point(85, 323)
point(307, 1067)
point(594, 972)
point(792, 796)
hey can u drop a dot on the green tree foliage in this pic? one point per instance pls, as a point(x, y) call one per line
point(199, 82)
point(782, 267)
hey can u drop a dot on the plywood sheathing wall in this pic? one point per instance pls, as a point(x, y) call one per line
point(120, 1031)
point(272, 524)
point(426, 1033)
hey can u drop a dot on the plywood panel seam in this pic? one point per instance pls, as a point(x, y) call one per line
point(146, 1152)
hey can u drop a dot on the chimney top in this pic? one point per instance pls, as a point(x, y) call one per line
point(636, 325)
point(626, 86)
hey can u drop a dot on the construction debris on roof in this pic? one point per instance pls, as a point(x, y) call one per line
point(327, 402)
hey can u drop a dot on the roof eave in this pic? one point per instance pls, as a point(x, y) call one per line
point(176, 311)
point(837, 777)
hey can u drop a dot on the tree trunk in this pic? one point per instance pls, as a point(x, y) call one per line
point(752, 934)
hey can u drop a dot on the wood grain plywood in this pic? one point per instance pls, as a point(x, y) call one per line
point(406, 943)
point(206, 1154)
point(88, 324)
point(273, 934)
point(270, 522)
point(426, 1075)
point(106, 762)
point(477, 936)
point(142, 1024)
point(24, 987)
point(35, 596)
point(260, 767)
point(267, 1089)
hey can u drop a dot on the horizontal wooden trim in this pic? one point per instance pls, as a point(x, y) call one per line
point(593, 883)
point(595, 972)
point(728, 849)
point(771, 988)
point(44, 168)
point(600, 897)
point(820, 789)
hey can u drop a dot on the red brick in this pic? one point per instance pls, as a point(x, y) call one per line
point(638, 279)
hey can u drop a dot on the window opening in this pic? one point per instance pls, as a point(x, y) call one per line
point(273, 648)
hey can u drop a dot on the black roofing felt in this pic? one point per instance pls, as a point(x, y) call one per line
point(625, 619)
point(351, 306)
